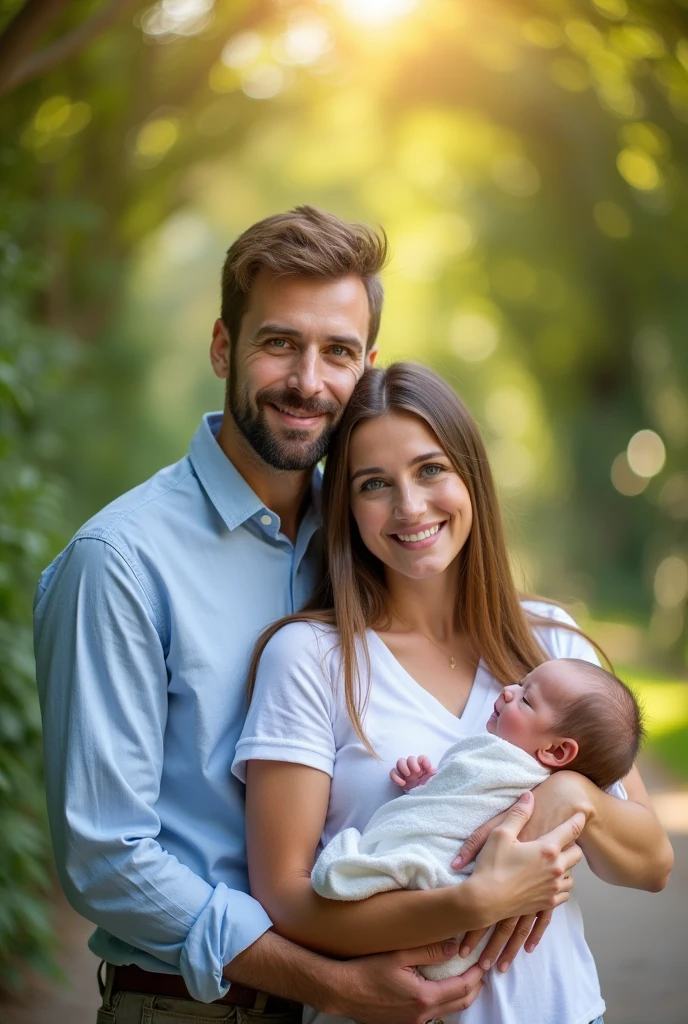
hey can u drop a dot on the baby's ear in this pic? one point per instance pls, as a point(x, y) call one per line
point(558, 754)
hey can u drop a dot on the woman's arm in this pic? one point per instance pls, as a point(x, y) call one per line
point(286, 805)
point(623, 840)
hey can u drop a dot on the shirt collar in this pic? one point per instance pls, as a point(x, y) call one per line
point(223, 483)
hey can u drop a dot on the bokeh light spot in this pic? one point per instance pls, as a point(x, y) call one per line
point(263, 82)
point(509, 411)
point(177, 18)
point(376, 12)
point(52, 114)
point(242, 50)
point(639, 169)
point(646, 136)
point(615, 9)
point(512, 463)
point(673, 497)
point(671, 582)
point(304, 42)
point(543, 33)
point(473, 336)
point(625, 480)
point(156, 138)
point(612, 219)
point(639, 41)
point(646, 453)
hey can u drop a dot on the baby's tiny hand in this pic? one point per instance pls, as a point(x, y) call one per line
point(412, 771)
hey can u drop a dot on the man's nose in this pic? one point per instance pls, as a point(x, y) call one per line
point(305, 376)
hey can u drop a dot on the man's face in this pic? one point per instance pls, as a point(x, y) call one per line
point(300, 351)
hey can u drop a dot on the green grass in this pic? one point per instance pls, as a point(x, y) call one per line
point(665, 702)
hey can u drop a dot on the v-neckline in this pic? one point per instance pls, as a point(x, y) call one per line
point(473, 703)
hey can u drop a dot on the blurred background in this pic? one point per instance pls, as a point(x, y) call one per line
point(529, 162)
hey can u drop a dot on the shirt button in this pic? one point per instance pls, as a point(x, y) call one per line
point(266, 520)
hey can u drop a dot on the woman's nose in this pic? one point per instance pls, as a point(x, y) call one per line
point(410, 503)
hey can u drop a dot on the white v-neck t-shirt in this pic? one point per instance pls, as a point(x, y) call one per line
point(298, 714)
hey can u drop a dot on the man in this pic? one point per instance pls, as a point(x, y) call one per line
point(144, 628)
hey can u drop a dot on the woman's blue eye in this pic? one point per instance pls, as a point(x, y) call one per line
point(372, 485)
point(432, 470)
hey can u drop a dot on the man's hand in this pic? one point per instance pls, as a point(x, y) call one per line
point(388, 987)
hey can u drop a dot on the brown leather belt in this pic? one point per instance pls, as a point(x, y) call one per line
point(150, 983)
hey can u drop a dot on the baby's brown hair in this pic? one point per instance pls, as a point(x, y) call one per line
point(606, 722)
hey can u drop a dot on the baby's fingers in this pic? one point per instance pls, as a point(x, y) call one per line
point(395, 777)
point(414, 766)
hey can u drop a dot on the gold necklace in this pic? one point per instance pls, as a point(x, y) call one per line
point(452, 659)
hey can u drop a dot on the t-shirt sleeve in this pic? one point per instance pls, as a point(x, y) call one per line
point(566, 643)
point(292, 708)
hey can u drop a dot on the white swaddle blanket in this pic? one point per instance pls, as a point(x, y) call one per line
point(410, 842)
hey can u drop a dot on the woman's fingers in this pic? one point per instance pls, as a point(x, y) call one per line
point(521, 932)
point(565, 835)
point(501, 935)
point(542, 921)
point(471, 939)
point(475, 842)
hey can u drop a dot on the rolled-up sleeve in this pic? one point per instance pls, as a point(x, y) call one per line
point(103, 686)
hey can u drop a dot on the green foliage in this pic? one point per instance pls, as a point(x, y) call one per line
point(32, 361)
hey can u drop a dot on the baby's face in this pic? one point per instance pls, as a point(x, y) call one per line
point(525, 713)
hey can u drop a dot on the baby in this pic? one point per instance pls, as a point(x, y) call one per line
point(564, 714)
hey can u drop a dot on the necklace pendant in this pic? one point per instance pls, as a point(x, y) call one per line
point(452, 662)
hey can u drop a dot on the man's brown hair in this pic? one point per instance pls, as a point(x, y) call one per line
point(304, 242)
point(606, 722)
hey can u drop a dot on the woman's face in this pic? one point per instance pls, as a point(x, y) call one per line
point(412, 509)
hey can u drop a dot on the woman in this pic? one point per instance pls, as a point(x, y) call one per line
point(415, 629)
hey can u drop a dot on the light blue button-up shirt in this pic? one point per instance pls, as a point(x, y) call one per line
point(144, 627)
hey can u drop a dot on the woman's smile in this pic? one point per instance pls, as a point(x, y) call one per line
point(420, 537)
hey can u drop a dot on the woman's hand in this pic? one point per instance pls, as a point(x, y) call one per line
point(511, 934)
point(518, 879)
point(561, 796)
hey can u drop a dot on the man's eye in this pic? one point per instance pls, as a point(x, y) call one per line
point(373, 485)
point(339, 350)
point(278, 342)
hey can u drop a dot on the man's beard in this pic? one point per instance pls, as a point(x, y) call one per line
point(292, 452)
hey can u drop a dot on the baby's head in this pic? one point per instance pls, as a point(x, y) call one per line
point(571, 714)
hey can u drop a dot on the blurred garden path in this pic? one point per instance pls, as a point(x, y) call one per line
point(638, 940)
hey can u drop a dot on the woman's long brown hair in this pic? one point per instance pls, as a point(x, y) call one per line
point(352, 595)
